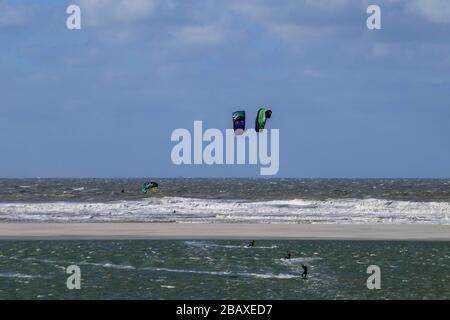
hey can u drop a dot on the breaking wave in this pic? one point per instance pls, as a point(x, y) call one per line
point(187, 210)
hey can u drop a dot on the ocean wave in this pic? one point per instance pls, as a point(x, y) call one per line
point(58, 263)
point(16, 275)
point(109, 265)
point(297, 261)
point(177, 209)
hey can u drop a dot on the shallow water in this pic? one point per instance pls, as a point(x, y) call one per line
point(102, 190)
point(224, 269)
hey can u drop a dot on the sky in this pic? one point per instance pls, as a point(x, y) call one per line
point(103, 101)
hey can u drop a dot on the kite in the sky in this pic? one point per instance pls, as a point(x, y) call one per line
point(239, 122)
point(261, 119)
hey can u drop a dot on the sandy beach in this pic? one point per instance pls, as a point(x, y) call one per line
point(55, 231)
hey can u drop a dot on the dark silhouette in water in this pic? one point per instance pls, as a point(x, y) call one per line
point(305, 271)
point(288, 256)
point(123, 190)
point(251, 244)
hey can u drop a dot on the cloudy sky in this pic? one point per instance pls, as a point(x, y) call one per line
point(102, 101)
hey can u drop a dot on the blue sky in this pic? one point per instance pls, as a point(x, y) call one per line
point(102, 101)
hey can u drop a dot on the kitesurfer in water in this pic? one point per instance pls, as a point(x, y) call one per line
point(288, 256)
point(305, 271)
point(251, 244)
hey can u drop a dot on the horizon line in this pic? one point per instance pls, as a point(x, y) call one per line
point(219, 177)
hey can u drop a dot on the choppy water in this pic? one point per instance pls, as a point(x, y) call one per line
point(227, 200)
point(223, 269)
point(100, 190)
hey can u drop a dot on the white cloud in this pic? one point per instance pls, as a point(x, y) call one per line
point(117, 22)
point(437, 11)
point(274, 10)
point(208, 35)
point(300, 33)
point(121, 22)
point(13, 15)
point(254, 10)
point(330, 5)
point(294, 21)
point(102, 12)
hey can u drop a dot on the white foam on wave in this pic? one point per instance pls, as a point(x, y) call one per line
point(202, 244)
point(16, 275)
point(298, 261)
point(187, 210)
point(57, 263)
point(109, 265)
point(226, 273)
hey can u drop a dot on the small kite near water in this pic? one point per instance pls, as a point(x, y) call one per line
point(149, 185)
point(239, 122)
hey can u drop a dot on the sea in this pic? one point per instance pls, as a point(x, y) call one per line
point(219, 269)
point(187, 200)
point(224, 270)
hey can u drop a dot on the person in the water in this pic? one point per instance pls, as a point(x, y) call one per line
point(305, 271)
point(251, 244)
point(288, 256)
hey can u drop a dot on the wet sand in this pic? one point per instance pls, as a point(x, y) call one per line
point(120, 231)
